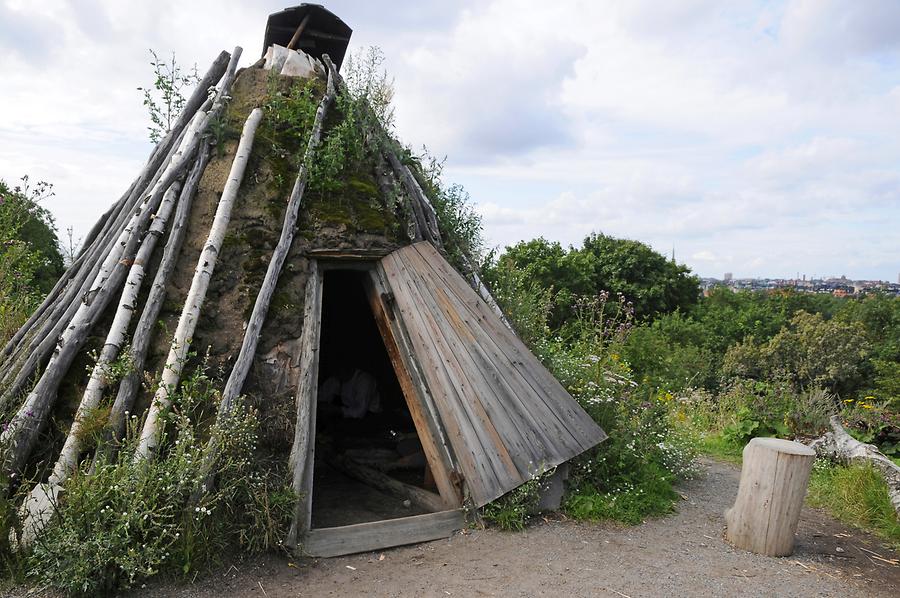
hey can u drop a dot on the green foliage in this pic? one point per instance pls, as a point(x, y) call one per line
point(127, 521)
point(810, 351)
point(360, 112)
point(30, 260)
point(856, 495)
point(653, 284)
point(165, 99)
point(525, 304)
point(511, 511)
point(874, 422)
point(665, 354)
point(648, 493)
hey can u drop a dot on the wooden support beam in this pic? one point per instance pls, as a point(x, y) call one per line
point(304, 446)
point(413, 391)
point(362, 537)
point(381, 481)
point(296, 37)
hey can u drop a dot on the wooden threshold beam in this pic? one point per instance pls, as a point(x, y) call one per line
point(363, 537)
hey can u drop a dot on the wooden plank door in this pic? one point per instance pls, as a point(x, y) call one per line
point(504, 415)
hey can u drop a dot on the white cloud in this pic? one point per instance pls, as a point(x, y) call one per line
point(758, 138)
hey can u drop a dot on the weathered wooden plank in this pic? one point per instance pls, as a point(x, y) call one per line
point(439, 429)
point(490, 454)
point(467, 447)
point(437, 460)
point(363, 537)
point(358, 253)
point(304, 447)
point(501, 394)
point(510, 429)
point(556, 399)
point(486, 346)
point(382, 481)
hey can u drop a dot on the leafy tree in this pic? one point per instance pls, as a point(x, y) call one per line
point(25, 221)
point(654, 284)
point(644, 277)
point(811, 351)
point(30, 262)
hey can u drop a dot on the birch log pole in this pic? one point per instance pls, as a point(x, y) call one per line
point(143, 332)
point(242, 364)
point(31, 354)
point(839, 446)
point(39, 505)
point(151, 431)
point(224, 90)
point(97, 238)
point(18, 439)
point(770, 496)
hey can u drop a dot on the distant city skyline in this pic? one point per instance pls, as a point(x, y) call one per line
point(758, 138)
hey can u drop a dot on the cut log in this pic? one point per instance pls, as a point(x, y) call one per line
point(839, 446)
point(129, 385)
point(171, 375)
point(224, 90)
point(770, 496)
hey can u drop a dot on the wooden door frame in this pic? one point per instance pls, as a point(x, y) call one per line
point(437, 451)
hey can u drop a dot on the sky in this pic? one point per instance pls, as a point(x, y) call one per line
point(758, 138)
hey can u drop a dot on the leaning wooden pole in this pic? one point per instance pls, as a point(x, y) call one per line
point(303, 447)
point(99, 237)
point(128, 387)
point(36, 348)
point(241, 368)
point(152, 429)
point(40, 503)
point(21, 434)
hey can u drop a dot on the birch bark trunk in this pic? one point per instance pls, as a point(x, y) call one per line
point(151, 431)
point(129, 385)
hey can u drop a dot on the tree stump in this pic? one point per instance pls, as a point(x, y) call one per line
point(773, 485)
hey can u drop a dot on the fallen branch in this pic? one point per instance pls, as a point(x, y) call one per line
point(838, 445)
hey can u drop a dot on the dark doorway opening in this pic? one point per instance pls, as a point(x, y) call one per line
point(367, 449)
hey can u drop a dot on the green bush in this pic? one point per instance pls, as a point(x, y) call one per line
point(30, 260)
point(127, 521)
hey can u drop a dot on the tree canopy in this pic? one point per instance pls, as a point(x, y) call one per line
point(652, 283)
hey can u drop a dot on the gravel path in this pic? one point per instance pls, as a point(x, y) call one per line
point(679, 555)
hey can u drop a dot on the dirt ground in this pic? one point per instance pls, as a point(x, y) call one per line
point(680, 555)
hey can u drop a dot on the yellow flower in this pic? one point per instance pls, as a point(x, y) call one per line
point(866, 406)
point(870, 398)
point(848, 400)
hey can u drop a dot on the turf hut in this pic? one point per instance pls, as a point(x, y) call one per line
point(281, 236)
